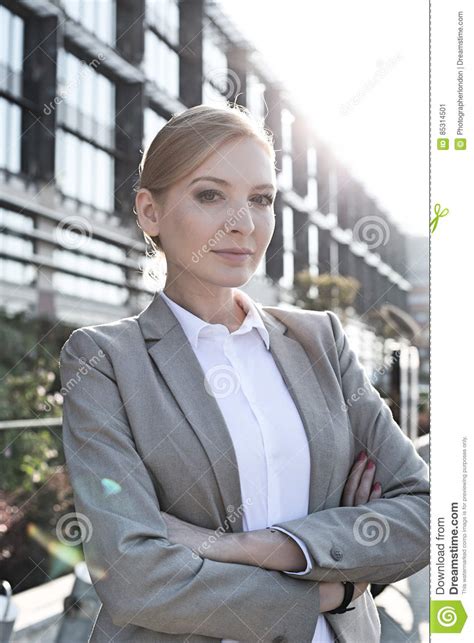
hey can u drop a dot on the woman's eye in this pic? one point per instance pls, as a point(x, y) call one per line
point(207, 196)
point(266, 199)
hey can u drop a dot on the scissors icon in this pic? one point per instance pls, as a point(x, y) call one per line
point(439, 213)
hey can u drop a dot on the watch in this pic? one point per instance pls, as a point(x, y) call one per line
point(348, 595)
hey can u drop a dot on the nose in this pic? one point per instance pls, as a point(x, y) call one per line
point(241, 220)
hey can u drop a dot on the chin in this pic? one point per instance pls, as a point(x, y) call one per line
point(233, 278)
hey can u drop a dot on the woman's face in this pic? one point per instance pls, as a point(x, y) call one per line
point(231, 209)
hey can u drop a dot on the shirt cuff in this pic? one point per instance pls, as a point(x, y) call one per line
point(309, 564)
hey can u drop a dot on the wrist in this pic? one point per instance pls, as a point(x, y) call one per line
point(331, 595)
point(348, 588)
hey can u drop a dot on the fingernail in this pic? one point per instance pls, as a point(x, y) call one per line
point(362, 455)
point(376, 486)
point(370, 464)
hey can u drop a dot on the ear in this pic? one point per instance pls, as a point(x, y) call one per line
point(148, 212)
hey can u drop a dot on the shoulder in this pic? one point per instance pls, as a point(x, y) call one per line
point(101, 337)
point(322, 326)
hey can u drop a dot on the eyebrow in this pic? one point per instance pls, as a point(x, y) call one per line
point(224, 182)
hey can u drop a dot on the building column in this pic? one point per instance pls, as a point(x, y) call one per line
point(39, 83)
point(129, 108)
point(323, 179)
point(130, 24)
point(38, 146)
point(274, 264)
point(237, 62)
point(191, 24)
point(299, 146)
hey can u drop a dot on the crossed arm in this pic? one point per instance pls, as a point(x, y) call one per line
point(271, 548)
point(268, 548)
point(379, 539)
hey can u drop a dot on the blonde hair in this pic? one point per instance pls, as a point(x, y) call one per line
point(187, 140)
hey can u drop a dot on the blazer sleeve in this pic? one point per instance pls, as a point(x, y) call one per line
point(383, 540)
point(140, 577)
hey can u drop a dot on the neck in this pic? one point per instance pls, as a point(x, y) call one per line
point(213, 305)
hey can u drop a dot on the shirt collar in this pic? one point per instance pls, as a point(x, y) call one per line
point(192, 325)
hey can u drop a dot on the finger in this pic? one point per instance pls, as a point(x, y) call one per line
point(376, 491)
point(365, 485)
point(353, 480)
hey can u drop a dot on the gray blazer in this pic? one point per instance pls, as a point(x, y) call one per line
point(142, 434)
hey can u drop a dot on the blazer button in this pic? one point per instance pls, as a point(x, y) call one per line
point(336, 553)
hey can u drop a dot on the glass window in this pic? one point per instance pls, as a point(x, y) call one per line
point(16, 44)
point(214, 57)
point(67, 167)
point(105, 97)
point(5, 17)
point(333, 192)
point(11, 61)
point(152, 124)
point(89, 289)
point(312, 195)
point(173, 73)
point(88, 14)
point(10, 130)
point(150, 56)
point(15, 220)
point(288, 258)
point(313, 249)
point(10, 270)
point(72, 96)
point(288, 270)
point(73, 8)
point(312, 161)
point(87, 171)
point(11, 40)
point(287, 223)
point(14, 131)
point(85, 286)
point(103, 170)
point(161, 64)
point(255, 97)
point(173, 21)
point(97, 16)
point(285, 178)
point(105, 20)
point(164, 16)
point(287, 120)
point(84, 172)
point(87, 100)
point(334, 257)
point(210, 95)
point(4, 130)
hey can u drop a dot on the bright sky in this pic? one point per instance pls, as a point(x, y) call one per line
point(360, 71)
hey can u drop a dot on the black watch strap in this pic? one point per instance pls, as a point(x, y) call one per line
point(348, 596)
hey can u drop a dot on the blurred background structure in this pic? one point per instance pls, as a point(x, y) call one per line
point(85, 85)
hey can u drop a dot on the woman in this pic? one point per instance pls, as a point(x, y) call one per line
point(212, 442)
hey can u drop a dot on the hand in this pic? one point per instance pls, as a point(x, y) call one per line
point(359, 487)
point(332, 594)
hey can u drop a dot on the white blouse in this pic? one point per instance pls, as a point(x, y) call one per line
point(269, 439)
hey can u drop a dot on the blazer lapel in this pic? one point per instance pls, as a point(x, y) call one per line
point(303, 386)
point(174, 357)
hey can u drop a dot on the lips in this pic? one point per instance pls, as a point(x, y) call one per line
point(235, 252)
point(234, 257)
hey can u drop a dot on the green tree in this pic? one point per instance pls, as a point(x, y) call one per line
point(325, 291)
